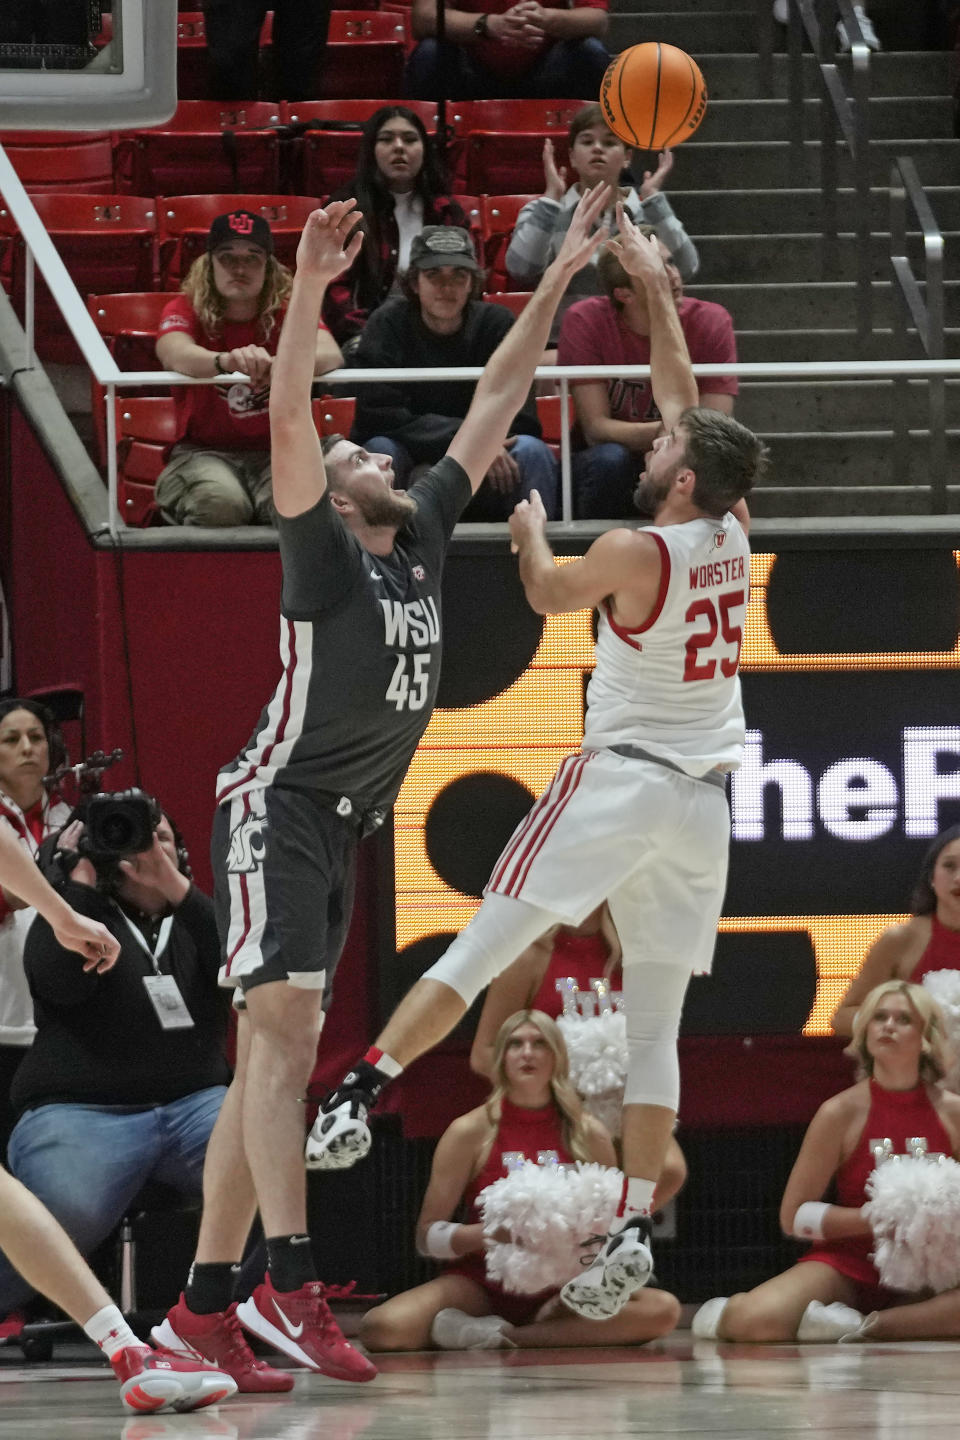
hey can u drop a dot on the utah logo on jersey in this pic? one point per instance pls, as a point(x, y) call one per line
point(247, 845)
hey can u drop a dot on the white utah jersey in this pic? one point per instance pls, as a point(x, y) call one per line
point(671, 686)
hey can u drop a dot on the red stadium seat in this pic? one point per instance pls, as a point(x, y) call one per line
point(504, 146)
point(498, 217)
point(333, 414)
point(104, 241)
point(550, 414)
point(364, 54)
point(65, 161)
point(146, 428)
point(183, 222)
point(193, 72)
point(128, 324)
point(515, 300)
point(206, 146)
point(322, 160)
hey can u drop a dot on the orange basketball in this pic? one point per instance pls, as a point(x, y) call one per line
point(653, 95)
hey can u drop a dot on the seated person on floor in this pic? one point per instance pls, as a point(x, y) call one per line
point(531, 1109)
point(926, 945)
point(597, 157)
point(499, 50)
point(226, 321)
point(581, 953)
point(441, 321)
point(835, 1291)
point(127, 1073)
point(399, 187)
point(617, 420)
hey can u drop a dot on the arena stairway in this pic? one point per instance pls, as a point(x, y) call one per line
point(759, 233)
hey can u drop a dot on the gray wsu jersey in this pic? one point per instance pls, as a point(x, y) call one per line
point(360, 644)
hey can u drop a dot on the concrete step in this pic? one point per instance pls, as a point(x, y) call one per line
point(820, 305)
point(752, 212)
point(767, 258)
point(778, 503)
point(716, 25)
point(810, 462)
point(904, 72)
point(765, 165)
point(770, 345)
point(786, 407)
point(920, 116)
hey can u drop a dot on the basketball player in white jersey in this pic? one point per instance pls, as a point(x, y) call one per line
point(640, 816)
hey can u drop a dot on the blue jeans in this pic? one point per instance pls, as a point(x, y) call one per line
point(87, 1163)
point(568, 70)
point(604, 478)
point(539, 470)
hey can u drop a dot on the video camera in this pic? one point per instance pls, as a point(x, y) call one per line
point(116, 822)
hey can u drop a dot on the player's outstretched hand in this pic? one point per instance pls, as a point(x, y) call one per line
point(581, 239)
point(639, 254)
point(90, 939)
point(330, 241)
point(527, 521)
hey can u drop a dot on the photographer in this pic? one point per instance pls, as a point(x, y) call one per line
point(127, 1073)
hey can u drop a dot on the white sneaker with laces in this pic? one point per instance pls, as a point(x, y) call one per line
point(624, 1263)
point(455, 1330)
point(870, 37)
point(704, 1323)
point(827, 1322)
point(339, 1137)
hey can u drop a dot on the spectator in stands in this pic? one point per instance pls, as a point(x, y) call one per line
point(617, 421)
point(127, 1073)
point(500, 50)
point(597, 157)
point(929, 941)
point(30, 748)
point(399, 187)
point(834, 1292)
point(441, 321)
point(226, 321)
point(233, 47)
point(532, 1108)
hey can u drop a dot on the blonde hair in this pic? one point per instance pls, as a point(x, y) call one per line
point(210, 305)
point(573, 1120)
point(934, 1048)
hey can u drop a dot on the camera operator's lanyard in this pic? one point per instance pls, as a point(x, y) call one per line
point(163, 990)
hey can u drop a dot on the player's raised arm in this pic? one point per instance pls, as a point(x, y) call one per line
point(328, 245)
point(671, 374)
point(505, 382)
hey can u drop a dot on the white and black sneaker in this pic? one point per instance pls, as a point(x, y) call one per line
point(623, 1265)
point(340, 1135)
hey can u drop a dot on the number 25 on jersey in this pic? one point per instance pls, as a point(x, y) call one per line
point(716, 635)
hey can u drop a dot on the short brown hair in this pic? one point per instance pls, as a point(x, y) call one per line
point(726, 458)
point(585, 119)
point(611, 273)
point(407, 282)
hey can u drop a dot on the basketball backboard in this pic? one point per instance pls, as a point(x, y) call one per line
point(52, 78)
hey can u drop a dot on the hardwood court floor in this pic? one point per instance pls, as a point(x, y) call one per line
point(672, 1389)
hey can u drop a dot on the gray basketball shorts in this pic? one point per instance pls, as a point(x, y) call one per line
point(284, 869)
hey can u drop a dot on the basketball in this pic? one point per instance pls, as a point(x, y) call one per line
point(653, 95)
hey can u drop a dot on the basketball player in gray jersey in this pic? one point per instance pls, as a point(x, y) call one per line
point(360, 639)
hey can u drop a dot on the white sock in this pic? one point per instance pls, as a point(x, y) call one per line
point(638, 1201)
point(110, 1331)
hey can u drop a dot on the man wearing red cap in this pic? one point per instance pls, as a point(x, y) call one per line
point(227, 322)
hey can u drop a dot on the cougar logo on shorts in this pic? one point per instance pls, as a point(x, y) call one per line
point(247, 845)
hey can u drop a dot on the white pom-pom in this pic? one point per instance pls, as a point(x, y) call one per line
point(914, 1212)
point(597, 1047)
point(550, 1215)
point(944, 986)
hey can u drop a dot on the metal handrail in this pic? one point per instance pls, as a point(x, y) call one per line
point(817, 18)
point(926, 312)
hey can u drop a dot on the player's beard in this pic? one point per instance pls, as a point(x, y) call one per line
point(392, 508)
point(652, 491)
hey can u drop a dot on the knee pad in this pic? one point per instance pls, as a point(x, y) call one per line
point(501, 929)
point(653, 998)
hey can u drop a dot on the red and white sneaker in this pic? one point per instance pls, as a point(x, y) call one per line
point(149, 1381)
point(218, 1338)
point(299, 1324)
